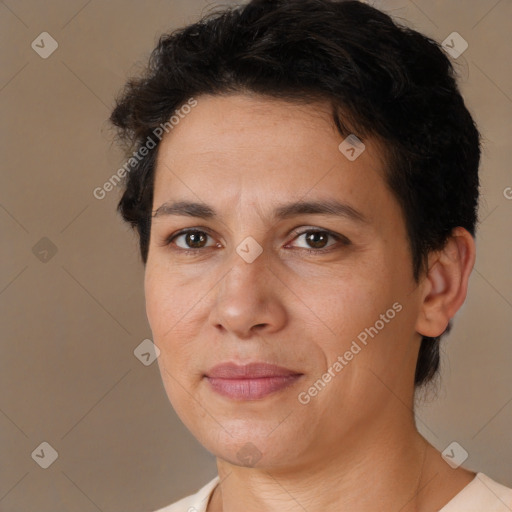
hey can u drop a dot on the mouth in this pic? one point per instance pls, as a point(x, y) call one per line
point(253, 381)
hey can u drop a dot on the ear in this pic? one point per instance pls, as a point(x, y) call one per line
point(445, 284)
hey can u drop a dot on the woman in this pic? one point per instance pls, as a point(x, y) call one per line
point(305, 188)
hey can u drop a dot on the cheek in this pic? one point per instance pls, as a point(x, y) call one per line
point(157, 309)
point(368, 308)
point(352, 300)
point(169, 301)
point(165, 306)
point(172, 309)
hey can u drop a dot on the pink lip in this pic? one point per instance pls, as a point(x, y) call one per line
point(249, 382)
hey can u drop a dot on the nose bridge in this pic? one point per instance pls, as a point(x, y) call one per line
point(245, 298)
point(247, 273)
point(248, 258)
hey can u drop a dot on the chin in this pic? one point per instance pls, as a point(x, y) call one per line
point(251, 445)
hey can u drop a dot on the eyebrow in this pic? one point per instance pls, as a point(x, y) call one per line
point(285, 211)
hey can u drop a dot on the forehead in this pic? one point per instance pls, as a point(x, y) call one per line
point(263, 149)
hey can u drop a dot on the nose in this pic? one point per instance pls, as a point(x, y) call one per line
point(248, 300)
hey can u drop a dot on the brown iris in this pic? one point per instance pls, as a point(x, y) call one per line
point(317, 240)
point(196, 240)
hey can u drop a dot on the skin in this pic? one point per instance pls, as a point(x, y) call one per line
point(355, 443)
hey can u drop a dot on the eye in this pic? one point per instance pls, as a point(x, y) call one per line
point(317, 240)
point(191, 239)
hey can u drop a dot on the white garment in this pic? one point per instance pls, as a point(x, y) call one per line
point(482, 494)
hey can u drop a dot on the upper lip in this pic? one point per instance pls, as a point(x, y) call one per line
point(249, 371)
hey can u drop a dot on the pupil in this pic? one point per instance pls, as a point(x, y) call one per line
point(194, 240)
point(317, 240)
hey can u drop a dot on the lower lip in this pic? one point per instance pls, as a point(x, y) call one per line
point(251, 389)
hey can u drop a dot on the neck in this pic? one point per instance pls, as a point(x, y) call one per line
point(389, 467)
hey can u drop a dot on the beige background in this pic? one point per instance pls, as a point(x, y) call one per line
point(70, 324)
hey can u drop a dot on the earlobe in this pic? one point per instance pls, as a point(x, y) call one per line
point(445, 284)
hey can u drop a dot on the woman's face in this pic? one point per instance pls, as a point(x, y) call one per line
point(328, 297)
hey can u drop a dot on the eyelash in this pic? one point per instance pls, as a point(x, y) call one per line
point(344, 241)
